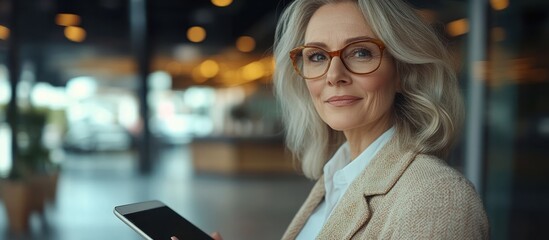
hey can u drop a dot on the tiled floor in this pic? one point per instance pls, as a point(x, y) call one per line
point(245, 207)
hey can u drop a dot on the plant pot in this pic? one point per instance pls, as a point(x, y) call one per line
point(44, 189)
point(17, 195)
point(38, 186)
point(51, 187)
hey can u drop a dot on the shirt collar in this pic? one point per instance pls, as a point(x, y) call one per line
point(341, 170)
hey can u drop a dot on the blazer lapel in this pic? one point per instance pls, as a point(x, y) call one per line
point(315, 197)
point(353, 210)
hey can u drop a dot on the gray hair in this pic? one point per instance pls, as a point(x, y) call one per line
point(428, 109)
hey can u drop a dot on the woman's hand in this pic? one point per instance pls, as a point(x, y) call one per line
point(215, 236)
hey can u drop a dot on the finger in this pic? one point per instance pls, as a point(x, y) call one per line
point(216, 236)
point(174, 238)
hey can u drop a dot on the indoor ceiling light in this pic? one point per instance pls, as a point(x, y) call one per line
point(75, 34)
point(245, 44)
point(67, 19)
point(458, 27)
point(222, 3)
point(196, 34)
point(4, 32)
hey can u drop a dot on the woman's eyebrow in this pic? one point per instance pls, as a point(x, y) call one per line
point(350, 40)
point(347, 41)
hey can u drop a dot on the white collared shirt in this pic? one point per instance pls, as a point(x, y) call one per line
point(339, 173)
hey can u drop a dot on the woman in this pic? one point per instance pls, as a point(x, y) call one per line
point(371, 105)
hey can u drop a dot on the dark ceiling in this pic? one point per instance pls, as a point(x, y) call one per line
point(107, 23)
point(108, 28)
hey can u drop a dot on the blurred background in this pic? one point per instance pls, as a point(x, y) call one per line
point(108, 102)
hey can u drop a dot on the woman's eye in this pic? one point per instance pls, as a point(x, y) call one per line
point(316, 57)
point(362, 53)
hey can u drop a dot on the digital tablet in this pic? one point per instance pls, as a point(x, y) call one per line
point(155, 220)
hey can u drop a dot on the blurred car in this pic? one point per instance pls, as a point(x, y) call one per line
point(180, 129)
point(94, 137)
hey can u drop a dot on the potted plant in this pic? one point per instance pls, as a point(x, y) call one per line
point(33, 178)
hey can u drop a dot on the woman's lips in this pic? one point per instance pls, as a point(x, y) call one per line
point(341, 101)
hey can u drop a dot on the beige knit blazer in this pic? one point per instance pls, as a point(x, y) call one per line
point(400, 195)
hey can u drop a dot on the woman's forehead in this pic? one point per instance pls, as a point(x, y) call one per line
point(333, 24)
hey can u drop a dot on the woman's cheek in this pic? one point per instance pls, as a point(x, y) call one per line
point(315, 90)
point(375, 83)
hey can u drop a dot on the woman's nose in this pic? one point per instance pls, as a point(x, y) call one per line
point(337, 74)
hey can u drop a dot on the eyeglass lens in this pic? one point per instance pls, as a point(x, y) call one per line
point(360, 58)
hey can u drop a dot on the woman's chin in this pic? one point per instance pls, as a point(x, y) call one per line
point(339, 126)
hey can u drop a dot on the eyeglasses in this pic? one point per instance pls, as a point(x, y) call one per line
point(360, 57)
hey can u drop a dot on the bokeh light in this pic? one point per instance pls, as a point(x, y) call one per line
point(4, 33)
point(245, 44)
point(222, 3)
point(67, 19)
point(209, 68)
point(458, 27)
point(196, 34)
point(499, 5)
point(75, 34)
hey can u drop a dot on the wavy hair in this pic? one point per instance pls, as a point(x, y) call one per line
point(428, 109)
